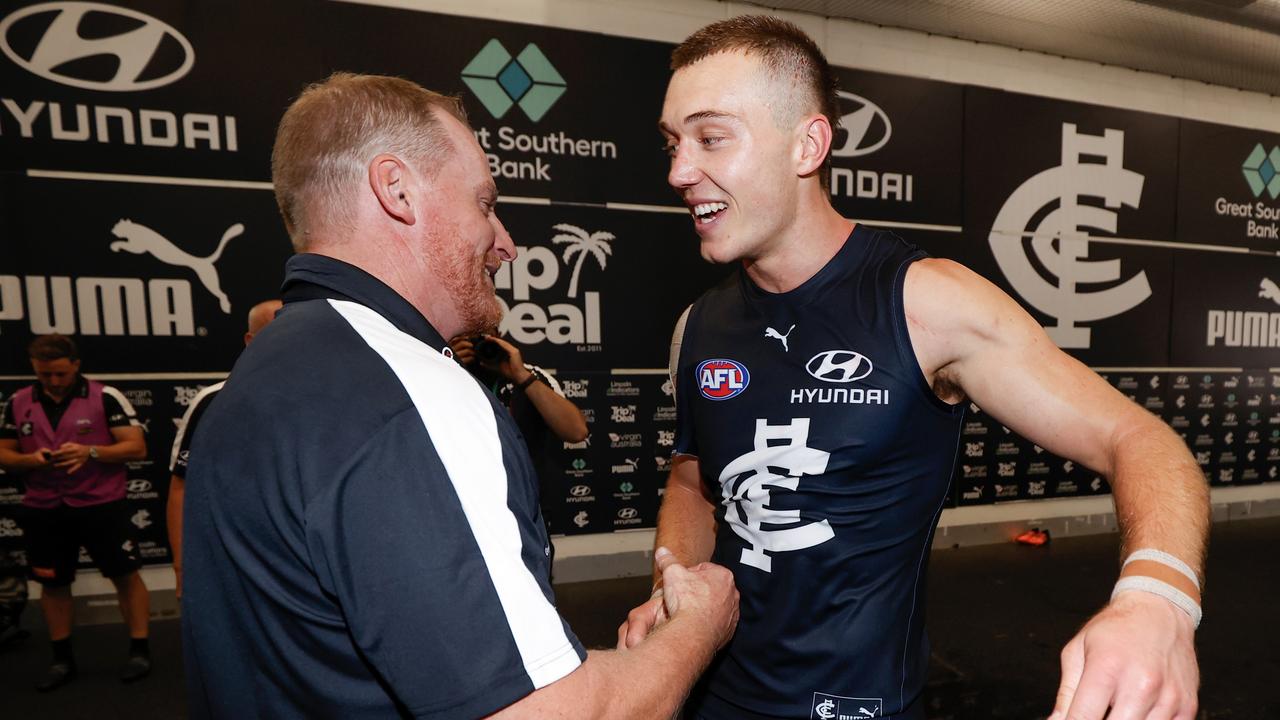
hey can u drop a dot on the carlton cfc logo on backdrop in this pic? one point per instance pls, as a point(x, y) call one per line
point(147, 53)
point(721, 378)
point(1058, 242)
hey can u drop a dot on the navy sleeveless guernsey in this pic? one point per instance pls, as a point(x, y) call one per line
point(830, 458)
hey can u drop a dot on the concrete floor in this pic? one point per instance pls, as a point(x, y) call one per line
point(998, 616)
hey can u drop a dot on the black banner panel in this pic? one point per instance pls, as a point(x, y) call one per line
point(1051, 187)
point(1228, 186)
point(1226, 312)
point(896, 156)
point(561, 114)
point(139, 284)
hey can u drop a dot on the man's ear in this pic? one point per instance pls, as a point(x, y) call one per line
point(389, 179)
point(815, 144)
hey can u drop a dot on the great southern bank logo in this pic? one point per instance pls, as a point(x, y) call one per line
point(1262, 171)
point(500, 81)
point(1059, 242)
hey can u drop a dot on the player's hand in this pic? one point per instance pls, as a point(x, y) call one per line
point(70, 457)
point(642, 620)
point(510, 367)
point(704, 592)
point(463, 351)
point(177, 581)
point(41, 458)
point(1136, 657)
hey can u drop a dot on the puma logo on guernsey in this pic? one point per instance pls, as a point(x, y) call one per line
point(142, 240)
point(1269, 290)
point(771, 333)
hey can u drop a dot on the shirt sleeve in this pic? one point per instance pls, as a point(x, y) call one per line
point(686, 444)
point(180, 455)
point(119, 410)
point(458, 625)
point(8, 425)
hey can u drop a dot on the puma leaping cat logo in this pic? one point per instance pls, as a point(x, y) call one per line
point(1269, 290)
point(141, 240)
point(771, 333)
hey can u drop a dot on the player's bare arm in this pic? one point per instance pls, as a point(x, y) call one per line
point(973, 341)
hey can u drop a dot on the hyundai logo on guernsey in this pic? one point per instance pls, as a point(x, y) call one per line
point(721, 378)
point(840, 367)
point(104, 48)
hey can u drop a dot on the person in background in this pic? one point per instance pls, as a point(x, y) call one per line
point(259, 316)
point(531, 395)
point(70, 437)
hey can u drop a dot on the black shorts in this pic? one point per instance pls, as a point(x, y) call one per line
point(54, 538)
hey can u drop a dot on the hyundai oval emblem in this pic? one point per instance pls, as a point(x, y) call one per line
point(839, 366)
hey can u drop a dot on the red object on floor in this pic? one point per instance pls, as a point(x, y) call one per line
point(1035, 536)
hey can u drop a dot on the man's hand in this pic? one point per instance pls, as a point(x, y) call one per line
point(41, 459)
point(1136, 657)
point(511, 366)
point(705, 592)
point(70, 457)
point(642, 620)
point(463, 351)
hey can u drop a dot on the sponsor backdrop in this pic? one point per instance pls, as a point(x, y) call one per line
point(137, 215)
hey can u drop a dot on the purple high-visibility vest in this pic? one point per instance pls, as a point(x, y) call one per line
point(85, 423)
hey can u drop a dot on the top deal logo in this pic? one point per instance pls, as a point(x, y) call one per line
point(105, 48)
point(1065, 184)
point(536, 268)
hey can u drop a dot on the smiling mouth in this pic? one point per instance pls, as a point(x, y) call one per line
point(704, 213)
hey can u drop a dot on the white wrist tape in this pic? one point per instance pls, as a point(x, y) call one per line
point(1164, 590)
point(1165, 559)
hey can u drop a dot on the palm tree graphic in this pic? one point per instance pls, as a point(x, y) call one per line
point(582, 243)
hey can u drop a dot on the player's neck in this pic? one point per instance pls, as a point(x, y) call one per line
point(804, 248)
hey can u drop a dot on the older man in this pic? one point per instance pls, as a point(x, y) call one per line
point(367, 542)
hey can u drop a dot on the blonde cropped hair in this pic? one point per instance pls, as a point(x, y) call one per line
point(328, 136)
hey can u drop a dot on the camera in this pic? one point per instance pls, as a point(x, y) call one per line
point(488, 351)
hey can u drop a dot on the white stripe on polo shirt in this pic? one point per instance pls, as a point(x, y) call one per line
point(124, 405)
point(185, 423)
point(464, 432)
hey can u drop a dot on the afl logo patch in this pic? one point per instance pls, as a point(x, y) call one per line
point(839, 366)
point(721, 379)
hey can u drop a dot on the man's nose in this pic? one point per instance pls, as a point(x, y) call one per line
point(684, 172)
point(503, 245)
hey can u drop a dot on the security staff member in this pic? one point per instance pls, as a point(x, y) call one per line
point(70, 437)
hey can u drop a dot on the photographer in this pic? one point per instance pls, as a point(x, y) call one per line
point(532, 396)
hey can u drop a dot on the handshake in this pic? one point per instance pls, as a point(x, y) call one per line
point(703, 598)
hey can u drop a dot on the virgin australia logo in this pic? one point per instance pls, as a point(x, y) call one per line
point(1059, 242)
point(71, 39)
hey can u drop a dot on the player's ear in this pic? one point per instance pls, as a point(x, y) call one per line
point(815, 138)
point(389, 180)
